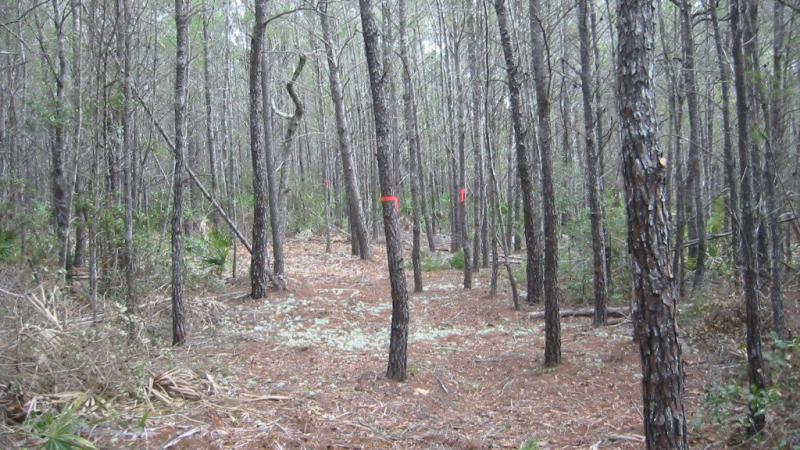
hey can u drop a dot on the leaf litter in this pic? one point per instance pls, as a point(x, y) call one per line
point(304, 368)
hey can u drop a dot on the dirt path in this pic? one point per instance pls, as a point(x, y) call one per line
point(305, 369)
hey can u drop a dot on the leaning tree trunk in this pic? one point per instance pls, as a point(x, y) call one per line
point(356, 209)
point(399, 332)
point(181, 68)
point(258, 264)
point(552, 341)
point(520, 139)
point(644, 171)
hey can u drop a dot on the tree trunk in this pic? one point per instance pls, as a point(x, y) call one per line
point(413, 144)
point(356, 209)
point(124, 50)
point(727, 146)
point(181, 75)
point(520, 140)
point(258, 264)
point(476, 115)
point(771, 176)
point(399, 331)
point(552, 346)
point(592, 182)
point(755, 362)
point(694, 171)
point(644, 172)
point(210, 143)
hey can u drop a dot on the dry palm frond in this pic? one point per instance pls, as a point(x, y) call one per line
point(175, 383)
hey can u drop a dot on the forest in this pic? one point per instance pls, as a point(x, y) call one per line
point(400, 224)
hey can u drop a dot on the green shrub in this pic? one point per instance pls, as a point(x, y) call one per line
point(434, 262)
point(457, 260)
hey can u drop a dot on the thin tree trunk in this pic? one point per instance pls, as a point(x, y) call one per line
point(592, 182)
point(727, 146)
point(356, 209)
point(523, 168)
point(124, 49)
point(542, 80)
point(755, 363)
point(181, 75)
point(413, 144)
point(210, 142)
point(771, 175)
point(695, 181)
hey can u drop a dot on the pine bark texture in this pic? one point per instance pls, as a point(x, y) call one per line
point(644, 172)
point(258, 264)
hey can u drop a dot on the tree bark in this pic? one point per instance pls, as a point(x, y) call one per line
point(210, 138)
point(124, 50)
point(695, 180)
point(771, 175)
point(356, 209)
point(399, 330)
point(258, 264)
point(644, 172)
point(755, 362)
point(592, 181)
point(181, 75)
point(413, 144)
point(552, 345)
point(523, 167)
point(727, 145)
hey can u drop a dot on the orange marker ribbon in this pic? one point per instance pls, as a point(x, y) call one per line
point(392, 198)
point(462, 195)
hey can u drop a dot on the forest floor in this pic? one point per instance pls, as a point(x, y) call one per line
point(305, 368)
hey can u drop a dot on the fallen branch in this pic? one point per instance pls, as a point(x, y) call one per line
point(196, 180)
point(588, 312)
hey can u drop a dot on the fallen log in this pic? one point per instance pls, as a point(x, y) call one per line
point(588, 312)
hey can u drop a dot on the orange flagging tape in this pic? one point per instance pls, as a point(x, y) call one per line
point(392, 198)
point(462, 195)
